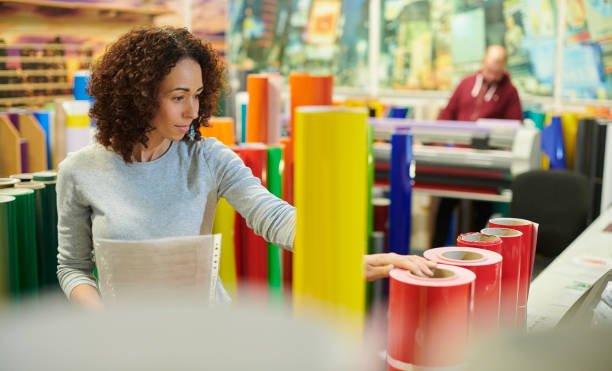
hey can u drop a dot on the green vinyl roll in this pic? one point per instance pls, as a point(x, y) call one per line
point(44, 176)
point(275, 277)
point(26, 238)
point(370, 207)
point(47, 252)
point(9, 274)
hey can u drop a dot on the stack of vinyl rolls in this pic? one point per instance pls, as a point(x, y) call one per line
point(429, 318)
point(330, 194)
point(487, 266)
point(28, 249)
point(529, 239)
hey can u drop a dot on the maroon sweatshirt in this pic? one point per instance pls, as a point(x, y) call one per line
point(474, 99)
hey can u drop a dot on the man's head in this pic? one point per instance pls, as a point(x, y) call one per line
point(494, 64)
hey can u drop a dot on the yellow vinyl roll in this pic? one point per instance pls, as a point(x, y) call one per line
point(224, 224)
point(330, 193)
point(570, 128)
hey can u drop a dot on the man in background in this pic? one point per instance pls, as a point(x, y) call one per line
point(488, 93)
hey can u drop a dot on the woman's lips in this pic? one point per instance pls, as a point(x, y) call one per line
point(182, 128)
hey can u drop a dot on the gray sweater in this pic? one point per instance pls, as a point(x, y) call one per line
point(101, 196)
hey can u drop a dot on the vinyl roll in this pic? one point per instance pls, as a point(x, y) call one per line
point(275, 182)
point(44, 176)
point(27, 257)
point(275, 86)
point(44, 119)
point(47, 253)
point(370, 206)
point(254, 249)
point(512, 242)
point(224, 225)
point(304, 90)
point(529, 230)
point(480, 241)
point(221, 128)
point(8, 182)
point(330, 194)
point(487, 266)
point(429, 318)
point(257, 110)
point(401, 193)
point(9, 273)
point(23, 177)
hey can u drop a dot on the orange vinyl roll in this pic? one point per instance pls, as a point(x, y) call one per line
point(529, 230)
point(221, 128)
point(512, 242)
point(257, 109)
point(305, 90)
point(487, 266)
point(429, 318)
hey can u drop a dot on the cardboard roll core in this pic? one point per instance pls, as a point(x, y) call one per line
point(462, 255)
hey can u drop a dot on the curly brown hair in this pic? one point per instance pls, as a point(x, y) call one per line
point(125, 83)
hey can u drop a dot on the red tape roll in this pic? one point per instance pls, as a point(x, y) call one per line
point(530, 240)
point(429, 317)
point(487, 266)
point(512, 245)
point(480, 241)
point(254, 249)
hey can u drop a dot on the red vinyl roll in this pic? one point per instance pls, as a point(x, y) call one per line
point(381, 217)
point(487, 266)
point(512, 241)
point(480, 241)
point(429, 317)
point(254, 249)
point(530, 240)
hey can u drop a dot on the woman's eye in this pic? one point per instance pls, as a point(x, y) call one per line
point(178, 98)
point(197, 96)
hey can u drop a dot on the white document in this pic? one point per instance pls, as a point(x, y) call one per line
point(159, 266)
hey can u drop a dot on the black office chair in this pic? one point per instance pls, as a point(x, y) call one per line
point(559, 201)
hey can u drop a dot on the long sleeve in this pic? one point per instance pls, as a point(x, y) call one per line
point(514, 111)
point(75, 264)
point(450, 112)
point(269, 216)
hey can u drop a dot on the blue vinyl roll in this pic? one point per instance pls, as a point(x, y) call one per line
point(398, 112)
point(401, 193)
point(43, 120)
point(553, 145)
point(81, 79)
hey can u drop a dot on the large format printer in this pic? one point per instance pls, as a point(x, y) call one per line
point(481, 156)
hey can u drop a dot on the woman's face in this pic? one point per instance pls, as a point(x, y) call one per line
point(178, 100)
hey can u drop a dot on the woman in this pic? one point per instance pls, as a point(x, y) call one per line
point(151, 175)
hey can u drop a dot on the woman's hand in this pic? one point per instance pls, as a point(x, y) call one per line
point(379, 265)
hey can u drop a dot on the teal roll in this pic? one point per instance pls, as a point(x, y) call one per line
point(9, 271)
point(26, 238)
